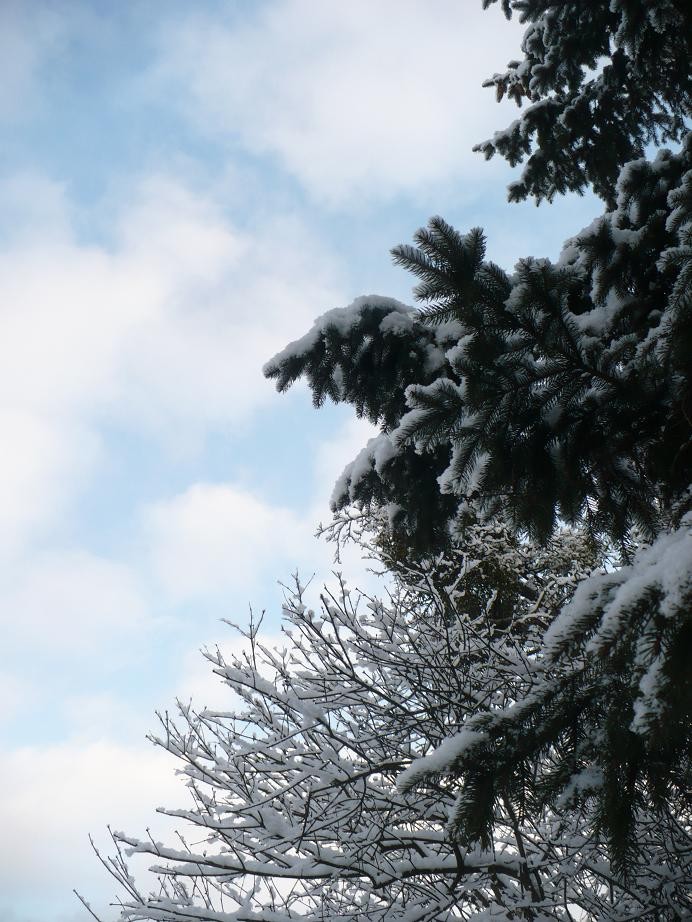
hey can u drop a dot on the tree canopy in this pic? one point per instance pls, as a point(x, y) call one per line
point(561, 391)
point(603, 80)
point(307, 795)
point(507, 734)
point(558, 393)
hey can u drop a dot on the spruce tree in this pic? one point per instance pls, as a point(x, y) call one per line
point(603, 80)
point(560, 392)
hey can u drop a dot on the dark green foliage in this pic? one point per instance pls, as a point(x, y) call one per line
point(571, 391)
point(454, 276)
point(347, 357)
point(367, 355)
point(531, 401)
point(606, 726)
point(577, 392)
point(561, 392)
point(603, 80)
point(422, 524)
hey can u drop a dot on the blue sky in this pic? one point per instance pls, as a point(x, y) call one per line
point(185, 187)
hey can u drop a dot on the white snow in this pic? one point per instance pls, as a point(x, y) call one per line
point(343, 320)
point(440, 759)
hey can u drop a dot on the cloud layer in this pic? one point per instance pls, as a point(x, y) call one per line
point(200, 179)
point(164, 329)
point(352, 99)
point(56, 794)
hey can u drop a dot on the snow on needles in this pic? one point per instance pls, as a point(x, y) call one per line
point(343, 320)
point(440, 759)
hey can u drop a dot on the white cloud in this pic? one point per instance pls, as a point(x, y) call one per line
point(42, 462)
point(55, 795)
point(71, 600)
point(160, 327)
point(164, 330)
point(16, 696)
point(215, 537)
point(354, 99)
point(107, 715)
point(180, 309)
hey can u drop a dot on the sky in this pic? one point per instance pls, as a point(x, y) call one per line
point(184, 188)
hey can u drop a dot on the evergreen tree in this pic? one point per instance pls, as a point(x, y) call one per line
point(562, 390)
point(565, 395)
point(603, 726)
point(367, 355)
point(508, 735)
point(603, 79)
